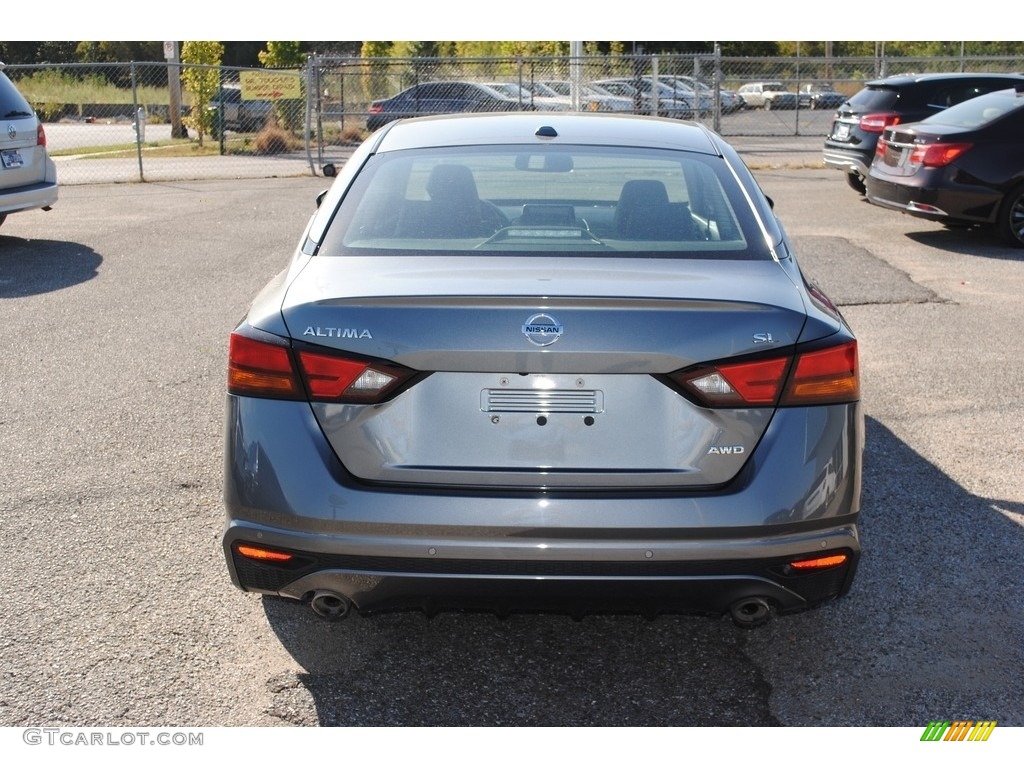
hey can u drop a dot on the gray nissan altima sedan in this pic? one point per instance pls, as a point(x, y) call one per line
point(564, 362)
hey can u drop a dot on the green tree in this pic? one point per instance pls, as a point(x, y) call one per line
point(376, 80)
point(201, 80)
point(119, 50)
point(282, 55)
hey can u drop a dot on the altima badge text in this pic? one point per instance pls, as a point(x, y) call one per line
point(337, 333)
point(542, 330)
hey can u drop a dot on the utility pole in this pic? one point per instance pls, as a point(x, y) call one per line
point(178, 131)
point(575, 73)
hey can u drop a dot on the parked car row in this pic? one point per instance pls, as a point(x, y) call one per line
point(963, 166)
point(858, 123)
point(441, 97)
point(773, 94)
point(948, 147)
point(679, 97)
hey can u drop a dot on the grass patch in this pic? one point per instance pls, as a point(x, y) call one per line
point(50, 86)
point(262, 144)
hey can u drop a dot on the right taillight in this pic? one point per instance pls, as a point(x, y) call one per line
point(876, 122)
point(819, 376)
point(40, 136)
point(830, 375)
point(937, 155)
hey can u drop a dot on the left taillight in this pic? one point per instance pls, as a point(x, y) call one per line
point(262, 368)
point(267, 366)
point(819, 376)
point(338, 378)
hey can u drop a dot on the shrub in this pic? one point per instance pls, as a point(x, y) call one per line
point(352, 136)
point(273, 140)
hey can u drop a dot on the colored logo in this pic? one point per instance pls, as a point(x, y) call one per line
point(958, 730)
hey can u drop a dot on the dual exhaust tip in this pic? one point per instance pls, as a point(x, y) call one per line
point(746, 613)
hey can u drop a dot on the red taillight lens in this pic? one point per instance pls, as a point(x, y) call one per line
point(937, 155)
point(40, 136)
point(877, 122)
point(816, 377)
point(823, 376)
point(330, 377)
point(261, 369)
point(739, 384)
point(375, 109)
point(880, 148)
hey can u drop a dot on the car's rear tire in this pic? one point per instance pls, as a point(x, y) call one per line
point(856, 182)
point(1011, 218)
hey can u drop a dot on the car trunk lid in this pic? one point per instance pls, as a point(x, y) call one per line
point(538, 378)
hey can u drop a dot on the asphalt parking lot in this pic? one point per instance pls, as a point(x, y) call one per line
point(115, 309)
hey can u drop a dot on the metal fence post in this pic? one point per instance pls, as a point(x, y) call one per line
point(139, 113)
point(311, 83)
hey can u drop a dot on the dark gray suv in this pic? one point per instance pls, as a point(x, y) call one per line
point(28, 177)
point(859, 121)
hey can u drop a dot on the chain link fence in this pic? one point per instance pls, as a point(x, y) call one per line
point(146, 121)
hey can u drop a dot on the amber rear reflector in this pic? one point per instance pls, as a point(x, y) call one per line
point(258, 553)
point(818, 562)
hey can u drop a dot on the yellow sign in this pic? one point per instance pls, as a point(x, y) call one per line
point(270, 85)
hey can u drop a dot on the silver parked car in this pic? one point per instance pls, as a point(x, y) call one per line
point(28, 176)
point(562, 362)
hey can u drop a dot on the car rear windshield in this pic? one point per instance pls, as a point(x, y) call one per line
point(872, 98)
point(12, 104)
point(548, 199)
point(979, 111)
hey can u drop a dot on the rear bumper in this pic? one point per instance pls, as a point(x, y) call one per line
point(31, 197)
point(574, 576)
point(386, 546)
point(953, 202)
point(848, 161)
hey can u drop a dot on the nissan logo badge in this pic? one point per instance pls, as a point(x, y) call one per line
point(542, 330)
